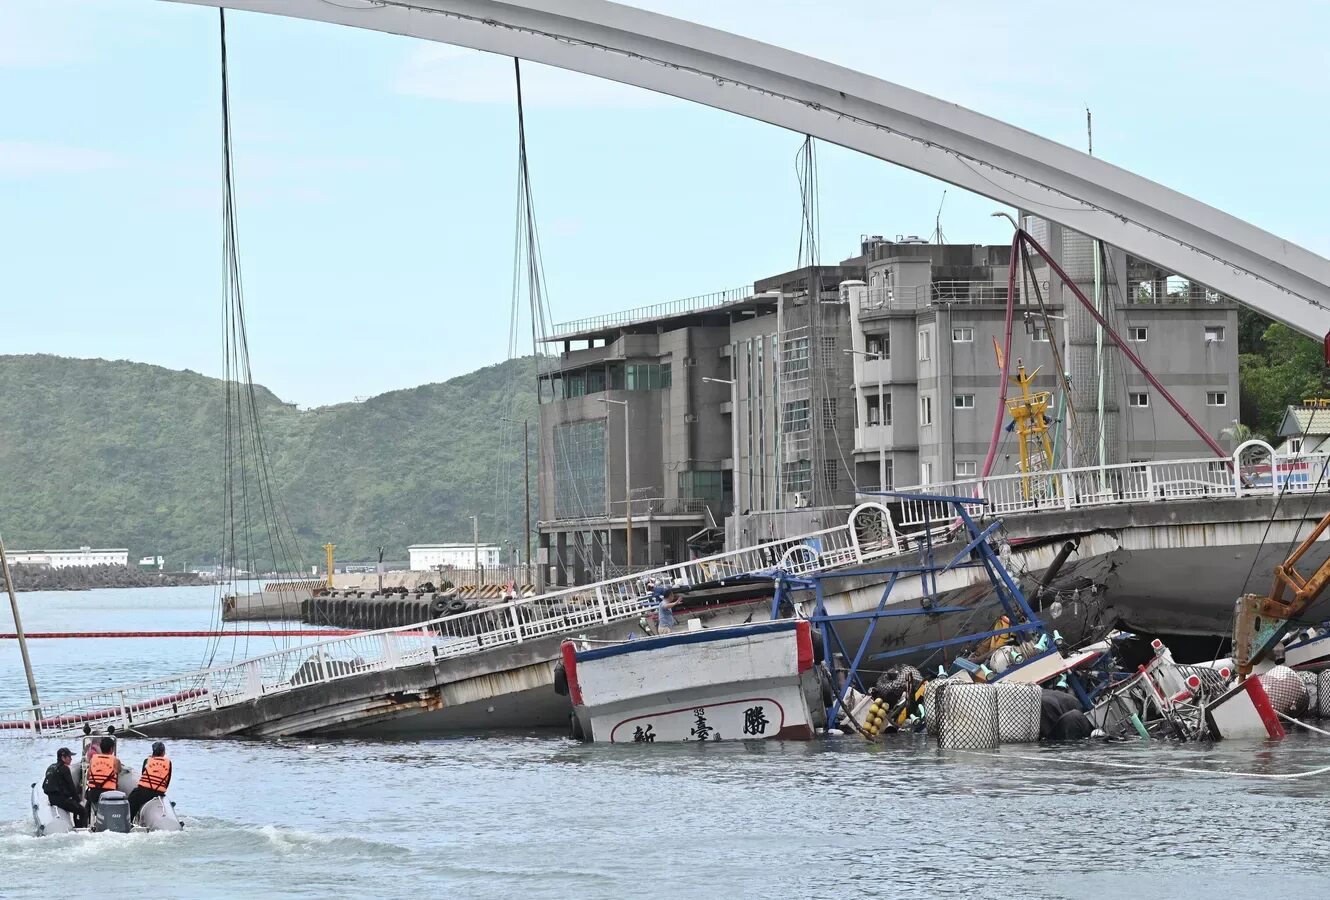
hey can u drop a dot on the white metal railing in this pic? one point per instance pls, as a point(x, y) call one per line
point(925, 295)
point(1149, 482)
point(558, 612)
point(656, 311)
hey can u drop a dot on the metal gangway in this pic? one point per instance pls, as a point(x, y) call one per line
point(868, 535)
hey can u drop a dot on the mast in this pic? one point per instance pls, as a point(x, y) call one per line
point(18, 632)
point(526, 476)
point(1099, 329)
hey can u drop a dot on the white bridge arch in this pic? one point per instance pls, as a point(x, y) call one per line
point(878, 118)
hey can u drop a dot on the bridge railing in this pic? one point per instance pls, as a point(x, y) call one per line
point(564, 611)
point(1150, 482)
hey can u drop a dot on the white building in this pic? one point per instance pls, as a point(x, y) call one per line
point(70, 559)
point(426, 557)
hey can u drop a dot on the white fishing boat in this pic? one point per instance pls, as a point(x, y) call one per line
point(744, 682)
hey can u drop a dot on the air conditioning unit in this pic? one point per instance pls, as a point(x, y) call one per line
point(800, 500)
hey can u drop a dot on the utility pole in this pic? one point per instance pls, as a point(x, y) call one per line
point(18, 632)
point(526, 473)
point(475, 543)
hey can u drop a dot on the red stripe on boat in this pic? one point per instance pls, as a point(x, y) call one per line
point(569, 652)
point(804, 638)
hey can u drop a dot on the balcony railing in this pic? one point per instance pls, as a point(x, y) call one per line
point(938, 292)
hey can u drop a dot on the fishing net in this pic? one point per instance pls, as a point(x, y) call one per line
point(1323, 693)
point(1018, 707)
point(896, 682)
point(1309, 681)
point(1288, 694)
point(967, 717)
point(930, 698)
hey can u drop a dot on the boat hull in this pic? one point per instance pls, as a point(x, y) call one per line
point(746, 682)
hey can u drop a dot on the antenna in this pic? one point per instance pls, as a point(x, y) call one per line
point(937, 222)
point(1089, 132)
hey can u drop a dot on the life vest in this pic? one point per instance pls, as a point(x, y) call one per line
point(156, 774)
point(104, 772)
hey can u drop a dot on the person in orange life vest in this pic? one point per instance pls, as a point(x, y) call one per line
point(103, 771)
point(153, 782)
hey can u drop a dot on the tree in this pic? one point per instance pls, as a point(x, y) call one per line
point(1279, 369)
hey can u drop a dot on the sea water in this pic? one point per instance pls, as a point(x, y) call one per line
point(536, 815)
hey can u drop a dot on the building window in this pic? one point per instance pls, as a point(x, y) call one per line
point(1295, 445)
point(1138, 333)
point(891, 476)
point(647, 377)
point(795, 357)
point(925, 345)
point(874, 417)
point(925, 473)
point(1040, 333)
point(964, 401)
point(966, 468)
point(962, 335)
point(1216, 398)
point(1214, 334)
point(878, 344)
point(794, 417)
point(1140, 398)
point(831, 475)
point(829, 414)
point(828, 352)
point(579, 469)
point(798, 476)
point(925, 410)
point(708, 486)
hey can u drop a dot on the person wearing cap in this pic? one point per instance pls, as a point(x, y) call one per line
point(60, 789)
point(154, 780)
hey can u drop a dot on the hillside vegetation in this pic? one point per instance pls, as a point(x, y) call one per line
point(122, 454)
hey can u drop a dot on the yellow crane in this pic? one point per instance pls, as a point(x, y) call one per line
point(1028, 413)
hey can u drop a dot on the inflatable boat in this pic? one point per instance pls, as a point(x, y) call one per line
point(110, 813)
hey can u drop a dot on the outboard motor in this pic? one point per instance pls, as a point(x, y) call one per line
point(111, 812)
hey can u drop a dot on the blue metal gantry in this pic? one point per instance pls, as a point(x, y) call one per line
point(977, 553)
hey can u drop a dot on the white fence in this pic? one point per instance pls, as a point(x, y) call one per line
point(1152, 482)
point(564, 611)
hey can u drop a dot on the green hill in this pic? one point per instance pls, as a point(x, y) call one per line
point(123, 454)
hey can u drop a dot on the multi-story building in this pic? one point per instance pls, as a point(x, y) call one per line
point(759, 413)
point(925, 326)
point(83, 557)
point(425, 557)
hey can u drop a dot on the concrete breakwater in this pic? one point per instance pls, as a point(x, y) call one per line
point(86, 578)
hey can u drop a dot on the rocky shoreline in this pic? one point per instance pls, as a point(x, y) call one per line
point(42, 578)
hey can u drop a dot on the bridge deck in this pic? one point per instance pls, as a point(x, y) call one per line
point(869, 535)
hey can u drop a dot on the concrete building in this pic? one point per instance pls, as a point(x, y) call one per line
point(425, 557)
point(933, 312)
point(83, 557)
point(650, 381)
point(764, 412)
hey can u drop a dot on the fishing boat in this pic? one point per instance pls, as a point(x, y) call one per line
point(742, 682)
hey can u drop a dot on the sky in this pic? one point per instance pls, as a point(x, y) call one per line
point(377, 175)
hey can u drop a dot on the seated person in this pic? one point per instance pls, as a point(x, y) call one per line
point(61, 789)
point(153, 782)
